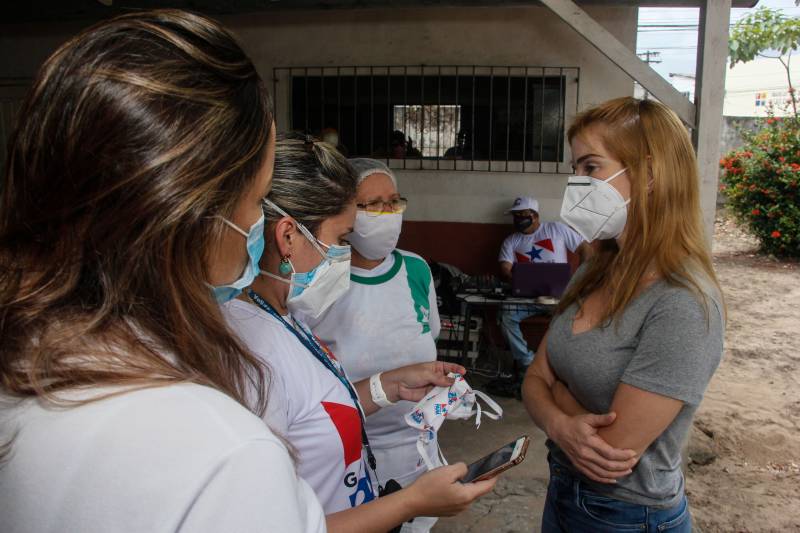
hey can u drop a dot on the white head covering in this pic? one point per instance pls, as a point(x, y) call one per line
point(366, 167)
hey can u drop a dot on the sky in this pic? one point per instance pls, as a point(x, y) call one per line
point(677, 46)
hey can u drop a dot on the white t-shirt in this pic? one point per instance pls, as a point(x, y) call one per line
point(174, 458)
point(548, 244)
point(310, 407)
point(387, 319)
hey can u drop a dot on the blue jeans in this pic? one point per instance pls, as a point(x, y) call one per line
point(509, 322)
point(572, 508)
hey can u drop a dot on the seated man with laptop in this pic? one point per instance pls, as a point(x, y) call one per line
point(534, 259)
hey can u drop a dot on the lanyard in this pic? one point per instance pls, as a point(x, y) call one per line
point(313, 346)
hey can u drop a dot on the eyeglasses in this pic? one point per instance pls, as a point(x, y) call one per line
point(376, 207)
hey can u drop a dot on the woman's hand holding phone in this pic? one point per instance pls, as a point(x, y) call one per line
point(441, 493)
point(498, 461)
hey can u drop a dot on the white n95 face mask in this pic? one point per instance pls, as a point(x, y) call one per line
point(458, 401)
point(376, 237)
point(594, 208)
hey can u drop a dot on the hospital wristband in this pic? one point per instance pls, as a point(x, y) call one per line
point(377, 392)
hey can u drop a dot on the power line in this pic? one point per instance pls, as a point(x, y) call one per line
point(654, 27)
point(693, 21)
point(668, 31)
point(758, 89)
point(671, 48)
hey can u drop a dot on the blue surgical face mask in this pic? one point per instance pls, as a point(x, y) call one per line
point(312, 292)
point(332, 254)
point(255, 248)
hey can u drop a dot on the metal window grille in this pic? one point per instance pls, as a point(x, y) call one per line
point(481, 118)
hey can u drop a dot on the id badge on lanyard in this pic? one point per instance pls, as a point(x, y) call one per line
point(307, 339)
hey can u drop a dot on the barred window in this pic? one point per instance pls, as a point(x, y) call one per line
point(435, 117)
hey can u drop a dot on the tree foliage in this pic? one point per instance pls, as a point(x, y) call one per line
point(761, 181)
point(763, 31)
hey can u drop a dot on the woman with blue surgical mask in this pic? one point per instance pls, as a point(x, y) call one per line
point(388, 318)
point(305, 269)
point(132, 205)
point(254, 241)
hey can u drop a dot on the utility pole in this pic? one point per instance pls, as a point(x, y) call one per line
point(650, 57)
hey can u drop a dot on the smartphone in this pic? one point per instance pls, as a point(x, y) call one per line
point(498, 461)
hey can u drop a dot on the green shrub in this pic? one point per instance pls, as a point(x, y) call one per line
point(761, 179)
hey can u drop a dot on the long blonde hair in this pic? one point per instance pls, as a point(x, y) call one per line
point(137, 134)
point(664, 226)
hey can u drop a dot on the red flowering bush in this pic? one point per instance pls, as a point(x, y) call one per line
point(761, 179)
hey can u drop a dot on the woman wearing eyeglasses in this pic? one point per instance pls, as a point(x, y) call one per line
point(387, 319)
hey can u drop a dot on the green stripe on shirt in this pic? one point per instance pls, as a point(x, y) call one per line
point(419, 281)
point(383, 278)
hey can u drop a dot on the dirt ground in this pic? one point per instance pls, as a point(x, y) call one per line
point(743, 472)
point(749, 421)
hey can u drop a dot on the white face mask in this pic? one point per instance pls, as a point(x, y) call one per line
point(376, 237)
point(313, 292)
point(594, 208)
point(458, 401)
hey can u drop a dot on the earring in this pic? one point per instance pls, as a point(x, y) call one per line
point(285, 268)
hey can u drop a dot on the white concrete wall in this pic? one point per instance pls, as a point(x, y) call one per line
point(763, 77)
point(435, 36)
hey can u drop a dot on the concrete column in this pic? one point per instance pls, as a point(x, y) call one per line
point(712, 56)
point(624, 58)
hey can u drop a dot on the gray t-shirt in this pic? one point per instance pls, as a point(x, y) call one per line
point(664, 343)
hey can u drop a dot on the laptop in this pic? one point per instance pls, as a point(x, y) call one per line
point(531, 280)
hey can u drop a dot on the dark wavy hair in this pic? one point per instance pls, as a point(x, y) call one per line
point(136, 134)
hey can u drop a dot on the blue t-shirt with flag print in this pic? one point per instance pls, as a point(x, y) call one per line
point(548, 244)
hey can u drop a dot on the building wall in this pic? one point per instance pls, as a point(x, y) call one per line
point(762, 80)
point(516, 36)
point(448, 36)
point(732, 129)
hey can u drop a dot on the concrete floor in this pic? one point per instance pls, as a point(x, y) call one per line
point(517, 501)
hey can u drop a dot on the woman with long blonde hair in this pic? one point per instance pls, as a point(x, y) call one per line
point(132, 206)
point(638, 333)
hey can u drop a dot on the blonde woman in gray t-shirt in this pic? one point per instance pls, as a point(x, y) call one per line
point(638, 334)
